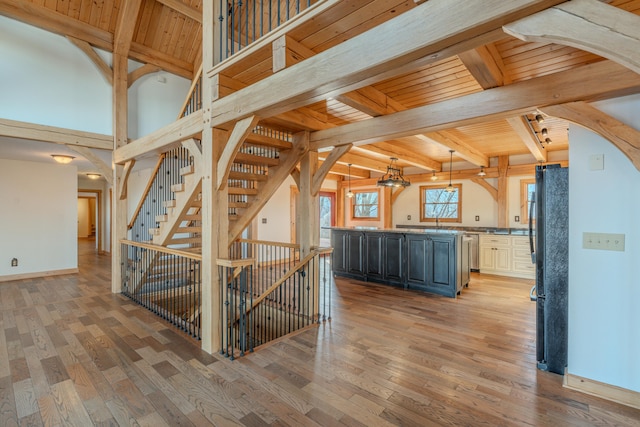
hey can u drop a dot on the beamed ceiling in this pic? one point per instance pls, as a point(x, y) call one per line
point(168, 36)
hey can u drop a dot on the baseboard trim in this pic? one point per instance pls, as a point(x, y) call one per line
point(605, 391)
point(38, 274)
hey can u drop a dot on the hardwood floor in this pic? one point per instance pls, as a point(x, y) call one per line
point(71, 353)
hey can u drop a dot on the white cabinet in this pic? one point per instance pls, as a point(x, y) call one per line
point(506, 256)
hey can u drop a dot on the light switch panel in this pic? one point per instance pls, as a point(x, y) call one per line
point(596, 162)
point(603, 241)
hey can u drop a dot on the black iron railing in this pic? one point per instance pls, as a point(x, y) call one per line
point(245, 21)
point(158, 190)
point(252, 316)
point(165, 281)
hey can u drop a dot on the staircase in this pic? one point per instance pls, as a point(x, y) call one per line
point(180, 226)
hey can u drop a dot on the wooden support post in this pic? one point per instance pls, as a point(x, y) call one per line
point(215, 222)
point(309, 213)
point(503, 191)
point(119, 206)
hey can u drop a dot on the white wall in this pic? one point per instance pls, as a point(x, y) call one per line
point(277, 212)
point(604, 286)
point(475, 201)
point(45, 79)
point(38, 217)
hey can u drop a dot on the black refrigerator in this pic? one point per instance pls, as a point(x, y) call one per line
point(549, 234)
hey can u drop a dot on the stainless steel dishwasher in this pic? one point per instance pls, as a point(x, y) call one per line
point(474, 251)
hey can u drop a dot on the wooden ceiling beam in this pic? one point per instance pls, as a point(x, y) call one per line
point(184, 9)
point(461, 148)
point(486, 66)
point(521, 126)
point(363, 161)
point(591, 82)
point(589, 25)
point(55, 135)
point(626, 138)
point(125, 26)
point(374, 55)
point(338, 169)
point(403, 152)
point(104, 68)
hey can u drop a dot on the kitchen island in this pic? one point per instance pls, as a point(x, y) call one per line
point(435, 261)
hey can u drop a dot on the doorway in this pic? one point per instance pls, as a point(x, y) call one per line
point(327, 207)
point(327, 204)
point(90, 225)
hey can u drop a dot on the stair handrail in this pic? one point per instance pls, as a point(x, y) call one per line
point(314, 252)
point(164, 249)
point(194, 83)
point(146, 191)
point(269, 243)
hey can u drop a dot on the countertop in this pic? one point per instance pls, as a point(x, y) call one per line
point(444, 230)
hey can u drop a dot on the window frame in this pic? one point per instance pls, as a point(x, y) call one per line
point(353, 205)
point(524, 200)
point(425, 188)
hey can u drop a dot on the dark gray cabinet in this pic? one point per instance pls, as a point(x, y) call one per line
point(348, 253)
point(393, 258)
point(431, 262)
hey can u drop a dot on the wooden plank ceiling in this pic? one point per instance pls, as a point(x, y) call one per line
point(168, 35)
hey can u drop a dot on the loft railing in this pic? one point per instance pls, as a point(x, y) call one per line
point(158, 190)
point(245, 21)
point(193, 102)
point(165, 281)
point(251, 317)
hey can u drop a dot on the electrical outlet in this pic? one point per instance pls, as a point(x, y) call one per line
point(477, 217)
point(14, 262)
point(408, 217)
point(603, 241)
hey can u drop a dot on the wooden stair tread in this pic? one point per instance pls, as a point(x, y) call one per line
point(268, 141)
point(246, 176)
point(252, 159)
point(246, 191)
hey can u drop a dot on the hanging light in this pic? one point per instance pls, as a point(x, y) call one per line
point(450, 187)
point(349, 193)
point(482, 172)
point(62, 158)
point(393, 177)
point(433, 176)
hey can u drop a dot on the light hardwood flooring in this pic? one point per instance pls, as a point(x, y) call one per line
point(71, 353)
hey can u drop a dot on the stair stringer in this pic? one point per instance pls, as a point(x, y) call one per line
point(277, 174)
point(176, 214)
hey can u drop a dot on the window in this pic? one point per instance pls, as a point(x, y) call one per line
point(436, 204)
point(527, 189)
point(364, 205)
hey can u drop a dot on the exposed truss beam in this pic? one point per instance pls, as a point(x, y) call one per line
point(162, 139)
point(372, 55)
point(104, 169)
point(323, 169)
point(462, 149)
point(125, 26)
point(486, 66)
point(626, 138)
point(601, 80)
point(183, 8)
point(521, 126)
point(589, 25)
point(55, 135)
point(140, 72)
point(231, 148)
point(104, 68)
point(484, 184)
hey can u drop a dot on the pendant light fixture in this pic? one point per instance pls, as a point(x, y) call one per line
point(349, 193)
point(482, 172)
point(393, 177)
point(450, 187)
point(433, 176)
